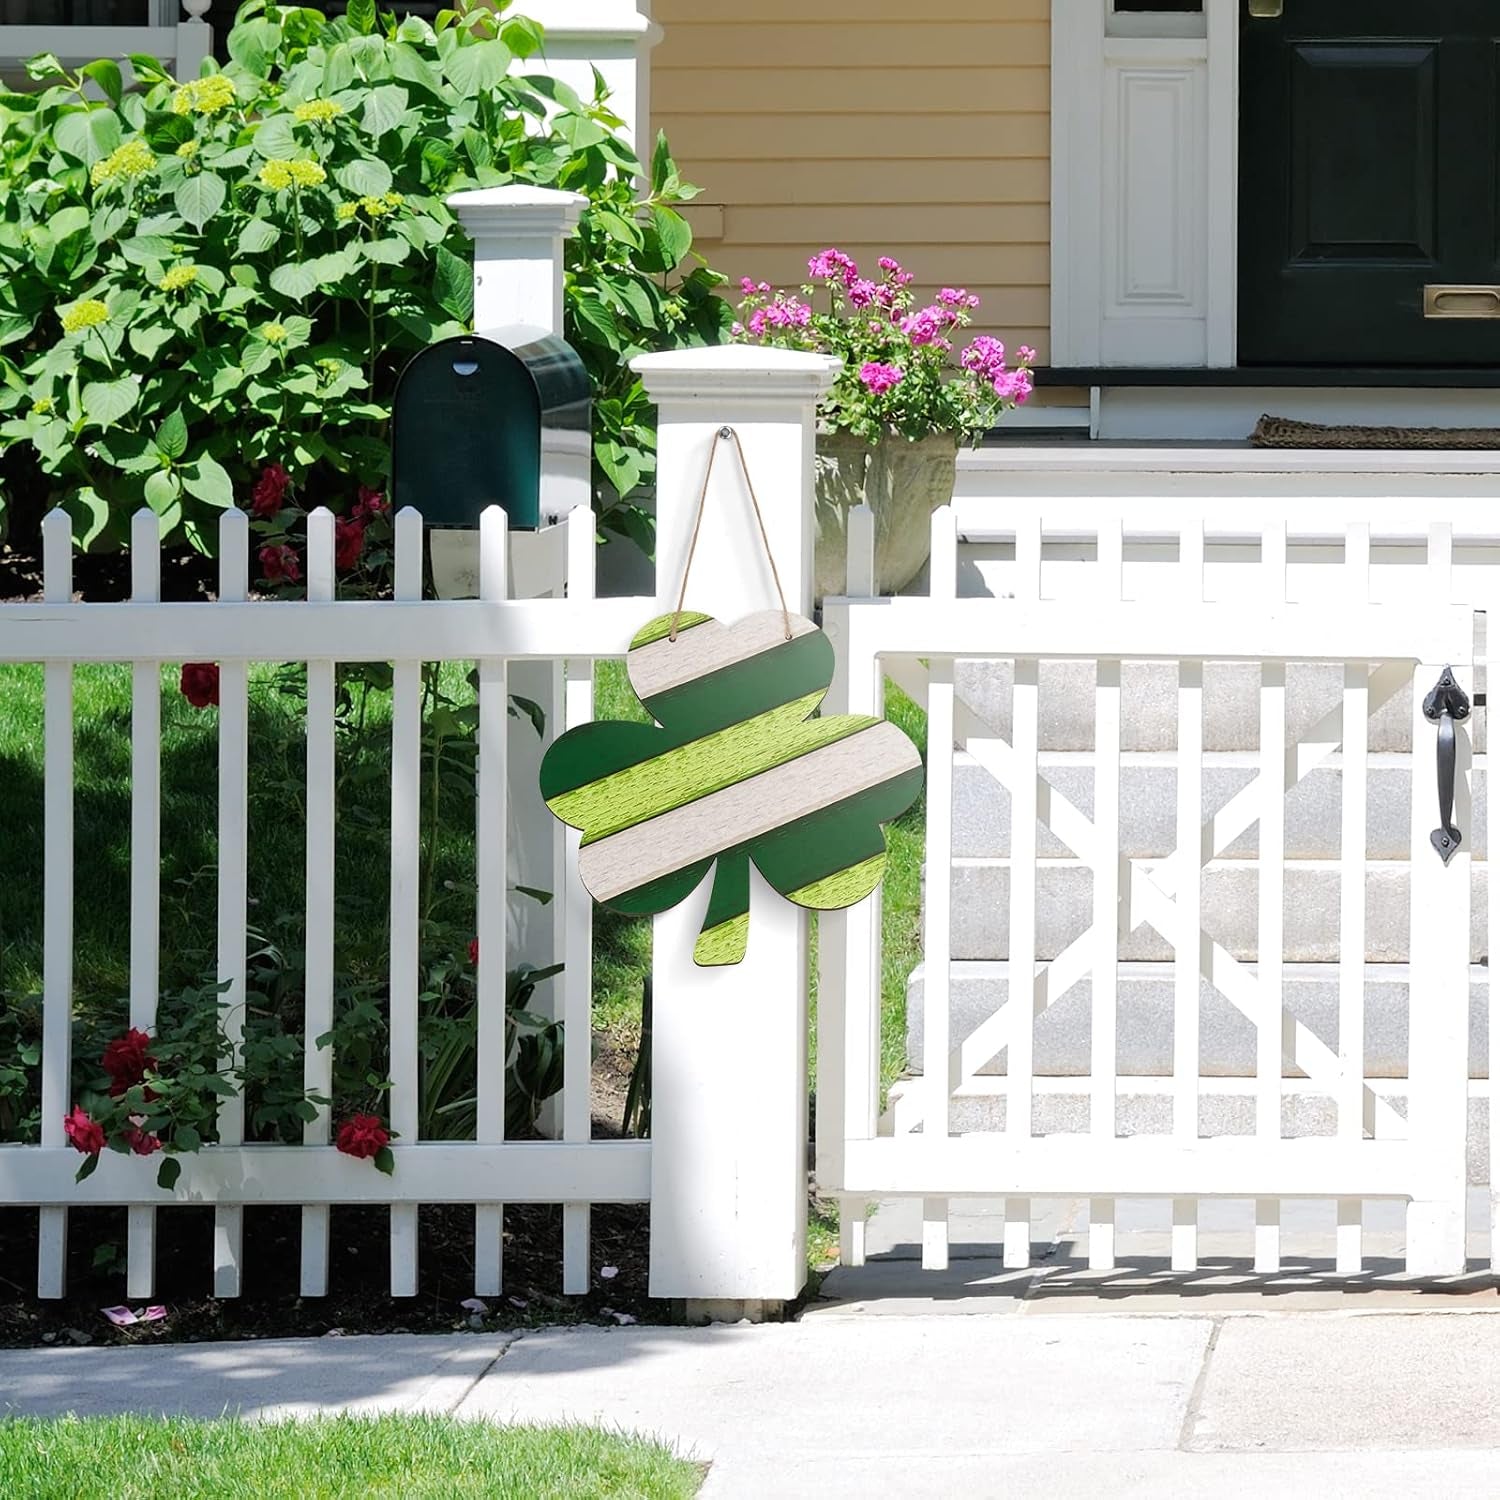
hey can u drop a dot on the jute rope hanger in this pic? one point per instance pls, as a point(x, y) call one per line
point(723, 433)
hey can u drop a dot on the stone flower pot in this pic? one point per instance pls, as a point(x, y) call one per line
point(902, 482)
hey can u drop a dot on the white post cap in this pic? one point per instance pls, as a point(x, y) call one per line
point(710, 374)
point(517, 209)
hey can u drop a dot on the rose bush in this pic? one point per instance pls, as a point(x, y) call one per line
point(207, 289)
point(903, 371)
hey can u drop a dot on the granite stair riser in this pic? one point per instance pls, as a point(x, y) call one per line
point(1144, 1014)
point(1148, 698)
point(1148, 808)
point(1151, 1114)
point(1064, 907)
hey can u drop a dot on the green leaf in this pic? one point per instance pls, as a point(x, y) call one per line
point(258, 235)
point(388, 252)
point(304, 1110)
point(148, 249)
point(385, 107)
point(106, 401)
point(296, 279)
point(149, 339)
point(87, 1169)
point(673, 231)
point(90, 513)
point(107, 75)
point(255, 356)
point(253, 45)
point(384, 1160)
point(663, 168)
point(361, 16)
point(168, 1173)
point(274, 138)
point(199, 198)
point(208, 480)
point(162, 491)
point(171, 436)
point(477, 69)
point(367, 176)
point(185, 1138)
point(453, 285)
point(621, 465)
point(597, 319)
point(620, 227)
point(88, 135)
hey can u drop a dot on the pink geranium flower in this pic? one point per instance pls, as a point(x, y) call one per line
point(880, 378)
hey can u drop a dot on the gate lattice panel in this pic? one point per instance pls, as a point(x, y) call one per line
point(912, 1149)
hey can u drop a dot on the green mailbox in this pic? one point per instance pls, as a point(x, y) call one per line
point(495, 418)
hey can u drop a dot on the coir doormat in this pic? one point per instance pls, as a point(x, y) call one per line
point(1282, 432)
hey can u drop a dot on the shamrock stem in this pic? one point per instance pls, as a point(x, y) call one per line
point(726, 926)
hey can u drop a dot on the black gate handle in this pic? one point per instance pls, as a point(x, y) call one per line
point(1443, 706)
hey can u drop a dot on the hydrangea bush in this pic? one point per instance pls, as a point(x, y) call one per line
point(903, 370)
point(206, 282)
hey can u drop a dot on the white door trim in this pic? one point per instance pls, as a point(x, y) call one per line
point(1145, 156)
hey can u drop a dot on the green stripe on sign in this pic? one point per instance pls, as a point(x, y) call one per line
point(834, 892)
point(593, 751)
point(661, 627)
point(789, 670)
point(704, 766)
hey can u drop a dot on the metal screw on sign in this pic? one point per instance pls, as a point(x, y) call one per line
point(1444, 706)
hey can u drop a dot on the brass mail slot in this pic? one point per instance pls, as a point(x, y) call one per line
point(1461, 301)
point(1265, 10)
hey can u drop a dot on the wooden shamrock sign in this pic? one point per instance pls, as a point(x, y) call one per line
point(737, 768)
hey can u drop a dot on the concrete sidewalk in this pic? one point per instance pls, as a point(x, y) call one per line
point(1117, 1403)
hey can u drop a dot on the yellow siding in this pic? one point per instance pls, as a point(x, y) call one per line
point(851, 123)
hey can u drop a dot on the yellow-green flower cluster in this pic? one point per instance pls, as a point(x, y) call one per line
point(316, 111)
point(345, 211)
point(278, 174)
point(133, 159)
point(42, 406)
point(386, 203)
point(188, 150)
point(204, 96)
point(274, 333)
point(178, 277)
point(89, 313)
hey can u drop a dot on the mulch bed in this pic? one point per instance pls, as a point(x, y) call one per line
point(359, 1299)
point(105, 578)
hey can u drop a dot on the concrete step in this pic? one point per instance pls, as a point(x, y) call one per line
point(1064, 907)
point(1148, 714)
point(1148, 806)
point(1144, 1008)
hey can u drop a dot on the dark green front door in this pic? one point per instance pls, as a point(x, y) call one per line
point(1370, 177)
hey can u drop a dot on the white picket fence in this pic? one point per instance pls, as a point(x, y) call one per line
point(493, 630)
point(1183, 583)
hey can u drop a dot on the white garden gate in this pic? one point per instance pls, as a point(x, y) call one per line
point(918, 1146)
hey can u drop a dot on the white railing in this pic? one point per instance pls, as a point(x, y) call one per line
point(1069, 590)
point(180, 44)
point(235, 631)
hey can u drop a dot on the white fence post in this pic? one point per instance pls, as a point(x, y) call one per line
point(518, 235)
point(729, 1058)
point(195, 40)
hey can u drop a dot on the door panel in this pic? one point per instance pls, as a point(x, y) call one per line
point(1369, 170)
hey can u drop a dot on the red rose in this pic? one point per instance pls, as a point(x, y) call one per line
point(126, 1060)
point(83, 1133)
point(200, 683)
point(474, 951)
point(270, 489)
point(280, 564)
point(371, 502)
point(142, 1143)
point(348, 541)
point(362, 1136)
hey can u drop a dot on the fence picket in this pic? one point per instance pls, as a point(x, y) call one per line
point(1104, 1061)
point(937, 928)
point(577, 977)
point(1351, 1112)
point(490, 902)
point(1021, 964)
point(317, 1062)
point(406, 851)
point(145, 862)
point(57, 918)
point(1188, 935)
point(234, 741)
point(1270, 936)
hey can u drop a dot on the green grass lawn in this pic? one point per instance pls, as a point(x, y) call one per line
point(341, 1458)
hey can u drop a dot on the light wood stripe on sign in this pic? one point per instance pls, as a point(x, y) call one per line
point(708, 647)
point(746, 810)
